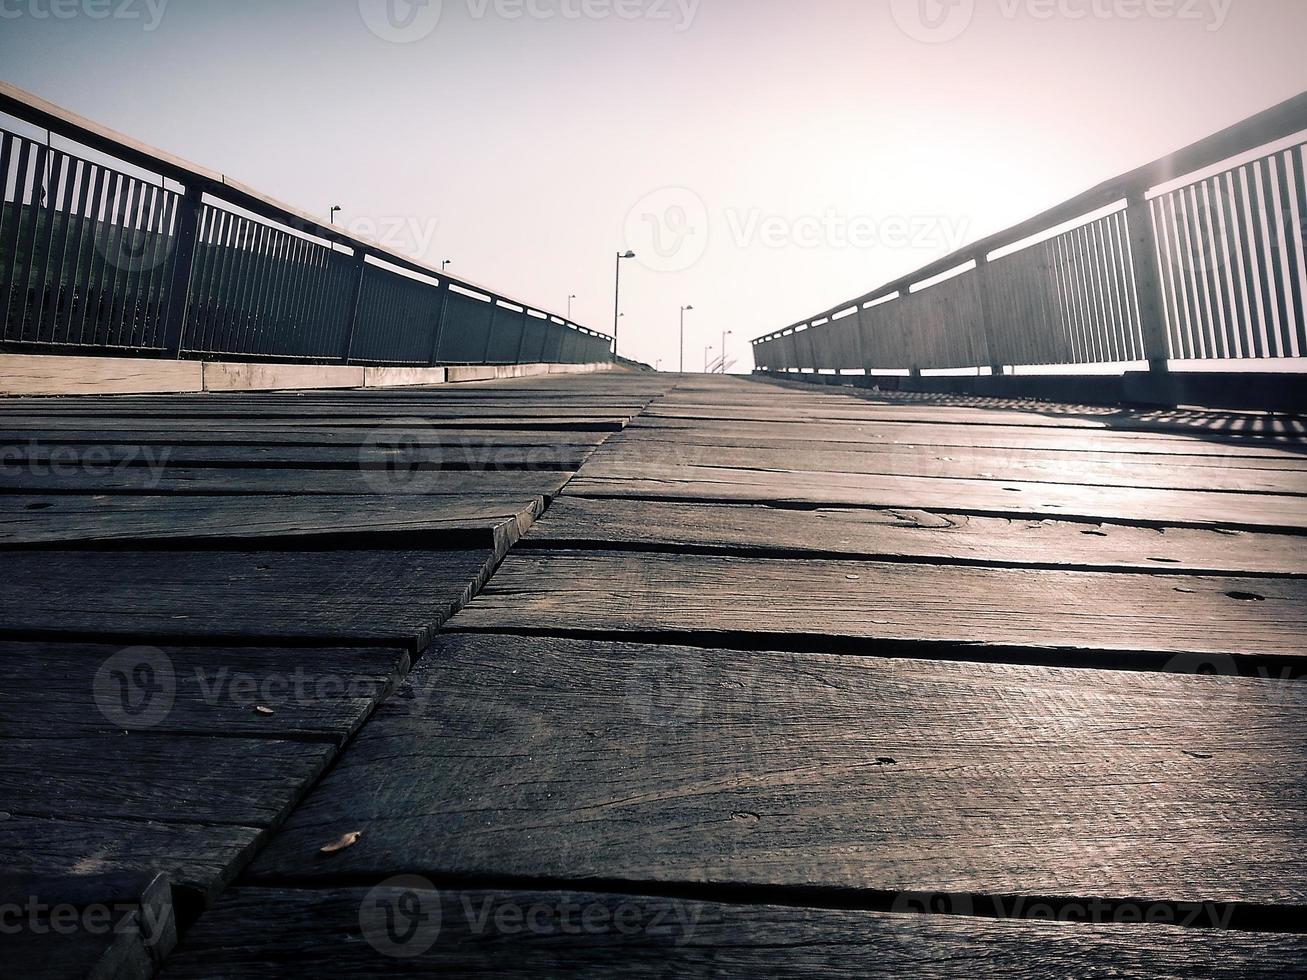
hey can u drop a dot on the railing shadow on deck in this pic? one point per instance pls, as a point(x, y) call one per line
point(1284, 433)
point(1198, 256)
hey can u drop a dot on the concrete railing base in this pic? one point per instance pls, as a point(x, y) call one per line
point(57, 374)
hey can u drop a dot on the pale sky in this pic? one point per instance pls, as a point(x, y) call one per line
point(766, 158)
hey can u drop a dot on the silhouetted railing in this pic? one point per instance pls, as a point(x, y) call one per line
point(186, 263)
point(1135, 270)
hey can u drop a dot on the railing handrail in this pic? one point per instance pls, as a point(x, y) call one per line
point(1276, 123)
point(55, 119)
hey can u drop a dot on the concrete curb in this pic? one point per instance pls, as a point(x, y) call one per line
point(57, 374)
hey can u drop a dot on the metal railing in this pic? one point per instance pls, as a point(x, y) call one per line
point(183, 262)
point(1135, 270)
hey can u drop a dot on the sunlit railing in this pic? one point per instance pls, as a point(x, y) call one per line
point(111, 247)
point(1172, 262)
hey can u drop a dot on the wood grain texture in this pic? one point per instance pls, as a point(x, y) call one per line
point(199, 857)
point(317, 934)
point(54, 689)
point(362, 425)
point(97, 926)
point(447, 520)
point(210, 481)
point(855, 410)
point(1035, 466)
point(675, 526)
point(987, 497)
point(142, 776)
point(379, 452)
point(301, 436)
point(391, 598)
point(974, 612)
point(548, 758)
point(867, 436)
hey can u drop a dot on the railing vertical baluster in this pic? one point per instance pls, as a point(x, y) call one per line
point(442, 306)
point(36, 182)
point(188, 220)
point(988, 326)
point(355, 302)
point(1144, 256)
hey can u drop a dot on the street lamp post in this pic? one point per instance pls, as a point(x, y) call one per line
point(335, 209)
point(706, 351)
point(684, 310)
point(446, 264)
point(617, 295)
point(569, 307)
point(725, 334)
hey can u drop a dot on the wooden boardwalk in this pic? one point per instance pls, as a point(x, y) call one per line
point(655, 676)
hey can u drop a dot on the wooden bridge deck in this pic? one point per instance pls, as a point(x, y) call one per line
point(654, 676)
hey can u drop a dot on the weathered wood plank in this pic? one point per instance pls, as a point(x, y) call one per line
point(199, 857)
point(879, 607)
point(22, 440)
point(249, 782)
point(869, 435)
point(580, 522)
point(209, 481)
point(986, 497)
point(54, 689)
point(343, 596)
point(99, 926)
point(469, 412)
point(75, 952)
point(539, 421)
point(385, 453)
point(857, 411)
point(440, 520)
point(556, 759)
point(1086, 469)
point(340, 933)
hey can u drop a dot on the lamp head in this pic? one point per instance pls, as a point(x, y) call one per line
point(626, 255)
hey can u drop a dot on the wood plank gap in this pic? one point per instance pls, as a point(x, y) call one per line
point(1236, 916)
point(1260, 667)
point(748, 551)
point(1016, 515)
